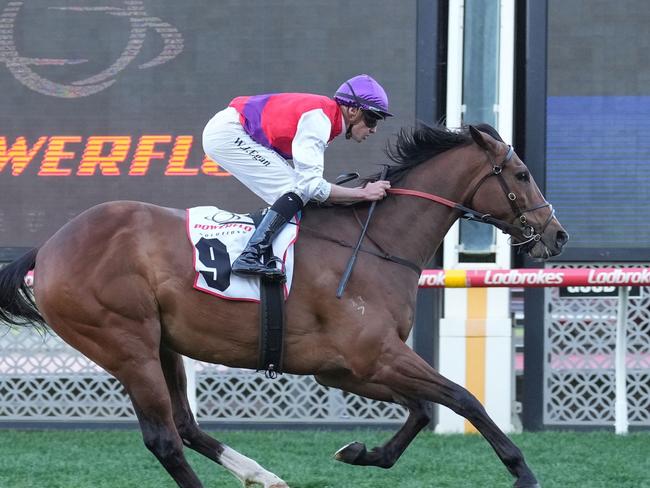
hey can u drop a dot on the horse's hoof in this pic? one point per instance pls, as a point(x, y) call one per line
point(279, 484)
point(273, 482)
point(351, 453)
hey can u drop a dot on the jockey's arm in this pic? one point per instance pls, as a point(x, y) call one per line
point(308, 148)
point(308, 157)
point(372, 191)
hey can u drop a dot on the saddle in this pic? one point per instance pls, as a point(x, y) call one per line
point(218, 237)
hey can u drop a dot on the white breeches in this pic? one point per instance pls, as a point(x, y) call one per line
point(262, 170)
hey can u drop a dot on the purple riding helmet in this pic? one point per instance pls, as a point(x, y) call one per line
point(364, 92)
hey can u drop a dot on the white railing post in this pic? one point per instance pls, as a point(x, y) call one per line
point(620, 414)
point(190, 374)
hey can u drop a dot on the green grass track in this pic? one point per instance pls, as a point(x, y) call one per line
point(115, 459)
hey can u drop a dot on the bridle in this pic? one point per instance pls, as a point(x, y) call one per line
point(523, 229)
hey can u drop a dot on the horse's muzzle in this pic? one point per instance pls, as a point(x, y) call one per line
point(561, 239)
point(548, 246)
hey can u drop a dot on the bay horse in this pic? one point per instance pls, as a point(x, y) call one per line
point(116, 283)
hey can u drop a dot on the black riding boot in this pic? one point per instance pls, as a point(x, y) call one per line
point(250, 261)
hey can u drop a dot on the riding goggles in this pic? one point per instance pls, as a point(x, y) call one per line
point(371, 118)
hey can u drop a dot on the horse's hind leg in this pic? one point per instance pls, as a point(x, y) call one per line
point(145, 384)
point(246, 470)
point(128, 349)
point(384, 456)
point(409, 374)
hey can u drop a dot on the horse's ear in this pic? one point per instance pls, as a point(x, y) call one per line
point(479, 138)
point(486, 141)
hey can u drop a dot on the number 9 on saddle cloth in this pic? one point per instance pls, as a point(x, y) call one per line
point(218, 237)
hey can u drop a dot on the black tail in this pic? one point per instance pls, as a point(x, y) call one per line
point(17, 305)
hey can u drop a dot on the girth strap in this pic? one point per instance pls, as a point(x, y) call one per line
point(271, 341)
point(382, 255)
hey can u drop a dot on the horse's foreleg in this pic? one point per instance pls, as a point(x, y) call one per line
point(384, 456)
point(246, 470)
point(410, 375)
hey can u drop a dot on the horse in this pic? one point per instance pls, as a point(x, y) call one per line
point(116, 282)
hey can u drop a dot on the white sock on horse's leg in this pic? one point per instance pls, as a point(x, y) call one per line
point(247, 470)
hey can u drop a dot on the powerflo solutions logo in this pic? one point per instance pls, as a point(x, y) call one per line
point(141, 25)
point(75, 76)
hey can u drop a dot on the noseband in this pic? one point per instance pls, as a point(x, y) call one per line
point(523, 228)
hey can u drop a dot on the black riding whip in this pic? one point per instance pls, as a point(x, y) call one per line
point(353, 258)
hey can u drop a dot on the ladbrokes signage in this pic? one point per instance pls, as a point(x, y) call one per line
point(576, 281)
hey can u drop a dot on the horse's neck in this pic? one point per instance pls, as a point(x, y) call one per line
point(413, 227)
point(408, 227)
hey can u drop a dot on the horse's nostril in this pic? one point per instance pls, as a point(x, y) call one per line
point(562, 238)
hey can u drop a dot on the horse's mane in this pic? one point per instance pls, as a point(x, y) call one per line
point(415, 145)
point(418, 144)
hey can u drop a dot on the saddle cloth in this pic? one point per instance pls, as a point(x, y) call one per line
point(218, 237)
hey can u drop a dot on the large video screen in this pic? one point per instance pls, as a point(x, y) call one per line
point(598, 115)
point(106, 100)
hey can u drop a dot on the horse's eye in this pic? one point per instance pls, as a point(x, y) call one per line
point(523, 176)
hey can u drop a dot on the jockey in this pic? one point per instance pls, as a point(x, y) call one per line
point(255, 136)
